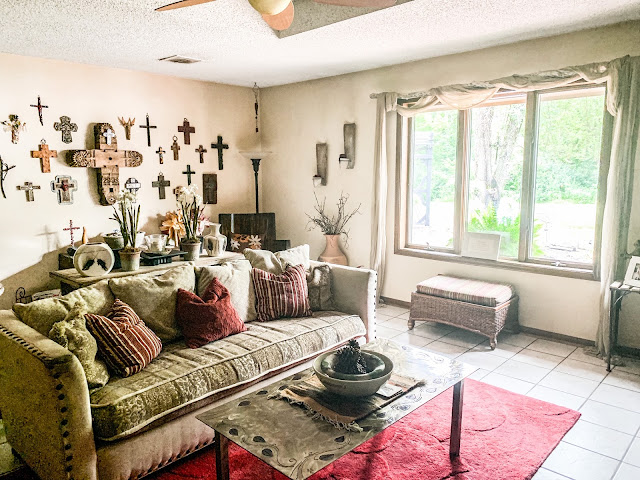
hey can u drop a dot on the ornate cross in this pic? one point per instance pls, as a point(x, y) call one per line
point(175, 147)
point(201, 151)
point(64, 186)
point(127, 126)
point(39, 106)
point(160, 184)
point(188, 172)
point(66, 127)
point(221, 147)
point(187, 130)
point(132, 185)
point(4, 169)
point(108, 134)
point(44, 154)
point(28, 188)
point(161, 153)
point(148, 127)
point(70, 229)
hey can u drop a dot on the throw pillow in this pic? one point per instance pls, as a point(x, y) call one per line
point(240, 241)
point(319, 283)
point(236, 277)
point(124, 341)
point(153, 297)
point(72, 333)
point(212, 317)
point(42, 314)
point(283, 295)
point(294, 256)
point(264, 260)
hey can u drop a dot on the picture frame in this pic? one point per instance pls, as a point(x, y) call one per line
point(632, 277)
point(481, 245)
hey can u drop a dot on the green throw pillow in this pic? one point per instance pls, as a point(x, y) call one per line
point(71, 332)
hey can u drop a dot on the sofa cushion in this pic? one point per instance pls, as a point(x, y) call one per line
point(277, 262)
point(466, 290)
point(153, 297)
point(319, 283)
point(285, 295)
point(181, 376)
point(294, 256)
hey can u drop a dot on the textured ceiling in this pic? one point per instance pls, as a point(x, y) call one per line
point(239, 48)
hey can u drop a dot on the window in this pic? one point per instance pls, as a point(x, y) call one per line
point(524, 165)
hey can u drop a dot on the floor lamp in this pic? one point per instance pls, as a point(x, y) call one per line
point(255, 158)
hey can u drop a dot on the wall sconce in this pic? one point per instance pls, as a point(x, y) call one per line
point(348, 158)
point(322, 160)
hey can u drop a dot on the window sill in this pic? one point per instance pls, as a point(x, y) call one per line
point(582, 274)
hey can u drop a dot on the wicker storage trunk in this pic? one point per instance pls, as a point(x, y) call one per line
point(481, 319)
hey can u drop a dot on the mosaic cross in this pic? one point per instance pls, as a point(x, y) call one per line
point(28, 188)
point(221, 147)
point(132, 185)
point(44, 154)
point(64, 186)
point(66, 127)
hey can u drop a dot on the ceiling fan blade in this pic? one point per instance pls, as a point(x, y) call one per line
point(359, 3)
point(181, 4)
point(282, 20)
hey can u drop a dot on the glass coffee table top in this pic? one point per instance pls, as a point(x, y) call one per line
point(285, 437)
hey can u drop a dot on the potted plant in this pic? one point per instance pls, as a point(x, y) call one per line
point(128, 216)
point(190, 206)
point(333, 227)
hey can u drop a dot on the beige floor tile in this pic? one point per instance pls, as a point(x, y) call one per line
point(464, 338)
point(569, 383)
point(391, 310)
point(579, 463)
point(627, 472)
point(412, 340)
point(479, 374)
point(404, 316)
point(427, 333)
point(446, 349)
point(599, 439)
point(508, 383)
point(633, 455)
point(522, 371)
point(631, 365)
point(386, 332)
point(521, 340)
point(397, 324)
point(612, 417)
point(552, 348)
point(484, 360)
point(556, 397)
point(502, 349)
point(544, 474)
point(622, 379)
point(539, 359)
point(579, 355)
point(618, 397)
point(582, 369)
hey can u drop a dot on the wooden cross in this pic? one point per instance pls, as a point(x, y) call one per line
point(66, 127)
point(210, 188)
point(187, 130)
point(39, 106)
point(44, 154)
point(64, 186)
point(132, 185)
point(108, 134)
point(70, 229)
point(188, 173)
point(160, 184)
point(220, 147)
point(28, 188)
point(148, 127)
point(201, 151)
point(175, 147)
point(161, 153)
point(4, 169)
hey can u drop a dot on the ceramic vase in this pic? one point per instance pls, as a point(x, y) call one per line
point(130, 260)
point(215, 243)
point(116, 242)
point(192, 249)
point(332, 252)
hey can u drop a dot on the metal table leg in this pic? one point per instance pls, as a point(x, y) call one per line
point(222, 456)
point(456, 420)
point(612, 314)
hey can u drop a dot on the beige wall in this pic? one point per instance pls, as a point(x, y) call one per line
point(299, 115)
point(32, 232)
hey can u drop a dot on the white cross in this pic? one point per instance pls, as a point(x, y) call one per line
point(109, 134)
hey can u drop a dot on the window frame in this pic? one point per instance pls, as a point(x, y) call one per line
point(524, 261)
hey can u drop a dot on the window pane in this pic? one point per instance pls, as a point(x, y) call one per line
point(495, 173)
point(433, 179)
point(570, 132)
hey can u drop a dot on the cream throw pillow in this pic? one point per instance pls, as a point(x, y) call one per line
point(276, 263)
point(294, 256)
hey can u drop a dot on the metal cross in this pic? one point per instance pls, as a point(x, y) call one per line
point(64, 185)
point(66, 127)
point(132, 185)
point(39, 106)
point(28, 188)
point(188, 173)
point(108, 134)
point(44, 154)
point(4, 169)
point(70, 229)
point(201, 151)
point(187, 130)
point(160, 184)
point(148, 127)
point(220, 147)
point(175, 147)
point(160, 153)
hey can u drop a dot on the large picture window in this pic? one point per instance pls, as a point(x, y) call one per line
point(525, 166)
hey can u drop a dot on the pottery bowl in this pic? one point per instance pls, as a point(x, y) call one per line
point(356, 387)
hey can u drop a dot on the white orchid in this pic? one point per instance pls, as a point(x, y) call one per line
point(190, 204)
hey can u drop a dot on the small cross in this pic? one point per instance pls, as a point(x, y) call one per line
point(28, 188)
point(65, 186)
point(188, 173)
point(70, 229)
point(175, 147)
point(220, 147)
point(201, 151)
point(66, 127)
point(4, 170)
point(187, 130)
point(108, 134)
point(44, 154)
point(148, 127)
point(132, 185)
point(160, 153)
point(160, 184)
point(39, 106)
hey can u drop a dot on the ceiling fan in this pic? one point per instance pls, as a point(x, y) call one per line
point(279, 13)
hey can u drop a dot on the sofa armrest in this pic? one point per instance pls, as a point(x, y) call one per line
point(354, 292)
point(45, 403)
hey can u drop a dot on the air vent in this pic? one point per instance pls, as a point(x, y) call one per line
point(180, 59)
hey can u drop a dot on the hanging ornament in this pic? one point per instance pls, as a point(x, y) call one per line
point(256, 92)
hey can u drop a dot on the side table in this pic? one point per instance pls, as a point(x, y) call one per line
point(618, 291)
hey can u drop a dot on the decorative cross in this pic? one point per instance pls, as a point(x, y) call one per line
point(132, 185)
point(220, 147)
point(39, 106)
point(108, 134)
point(188, 172)
point(28, 188)
point(127, 126)
point(44, 154)
point(160, 184)
point(66, 127)
point(64, 186)
point(187, 130)
point(210, 188)
point(161, 153)
point(70, 229)
point(175, 147)
point(148, 127)
point(4, 169)
point(201, 151)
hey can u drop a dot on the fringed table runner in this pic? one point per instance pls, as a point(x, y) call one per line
point(344, 412)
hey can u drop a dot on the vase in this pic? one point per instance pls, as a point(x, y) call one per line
point(192, 248)
point(215, 243)
point(115, 242)
point(332, 251)
point(130, 260)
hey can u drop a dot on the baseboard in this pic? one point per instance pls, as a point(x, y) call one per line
point(393, 301)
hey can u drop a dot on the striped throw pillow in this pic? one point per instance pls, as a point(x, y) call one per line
point(284, 295)
point(124, 341)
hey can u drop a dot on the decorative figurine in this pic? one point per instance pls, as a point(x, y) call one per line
point(127, 126)
point(28, 189)
point(160, 184)
point(44, 154)
point(201, 151)
point(148, 127)
point(4, 169)
point(66, 127)
point(15, 126)
point(187, 130)
point(64, 186)
point(175, 147)
point(220, 147)
point(39, 106)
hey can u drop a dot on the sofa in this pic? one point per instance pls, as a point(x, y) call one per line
point(136, 425)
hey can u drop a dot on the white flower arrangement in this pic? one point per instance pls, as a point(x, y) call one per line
point(127, 216)
point(190, 204)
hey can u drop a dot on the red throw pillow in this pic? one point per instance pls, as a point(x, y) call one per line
point(124, 341)
point(283, 295)
point(206, 319)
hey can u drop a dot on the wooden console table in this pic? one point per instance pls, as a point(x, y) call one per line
point(618, 291)
point(70, 279)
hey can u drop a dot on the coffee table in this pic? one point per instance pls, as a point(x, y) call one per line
point(286, 438)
